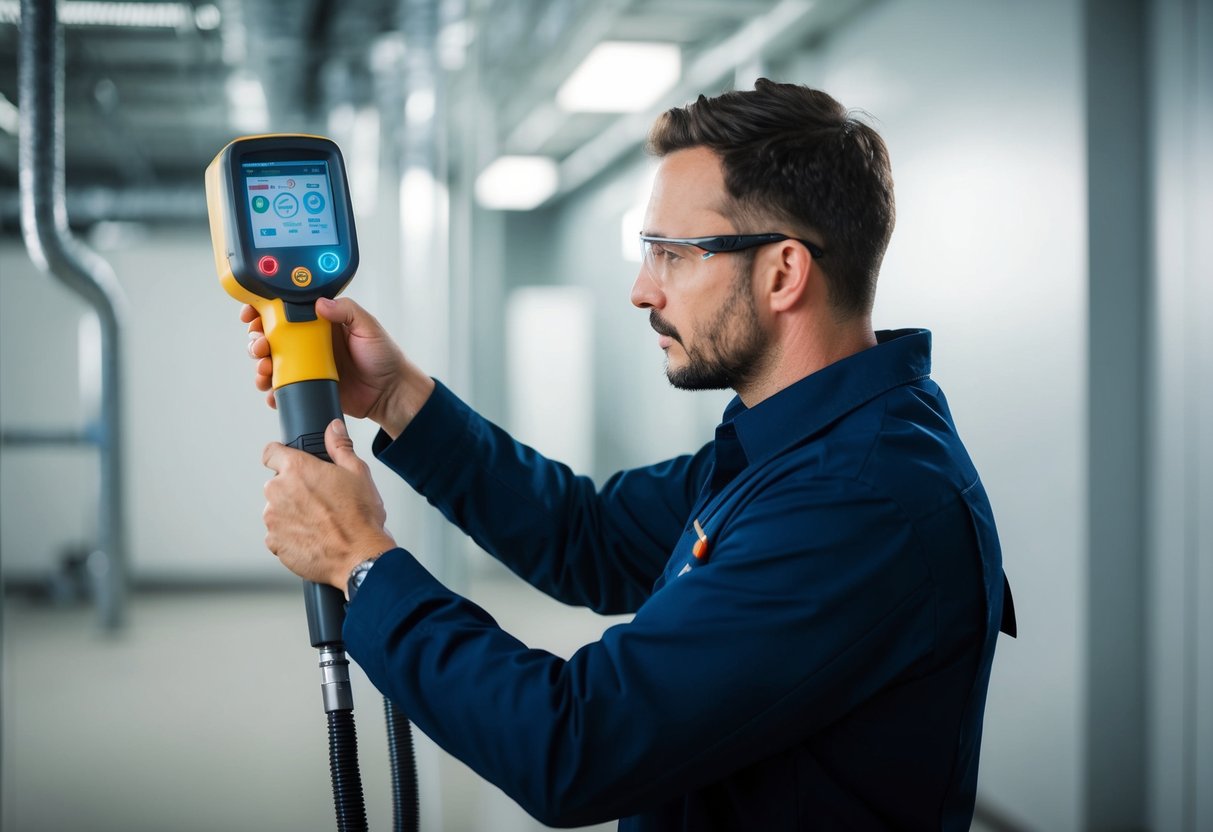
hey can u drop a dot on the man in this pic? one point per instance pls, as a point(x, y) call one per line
point(817, 592)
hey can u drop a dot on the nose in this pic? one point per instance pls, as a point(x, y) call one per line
point(646, 293)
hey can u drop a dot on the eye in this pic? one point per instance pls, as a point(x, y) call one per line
point(665, 253)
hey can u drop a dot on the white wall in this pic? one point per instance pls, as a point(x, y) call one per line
point(45, 495)
point(194, 424)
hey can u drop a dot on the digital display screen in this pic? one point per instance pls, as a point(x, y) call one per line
point(290, 204)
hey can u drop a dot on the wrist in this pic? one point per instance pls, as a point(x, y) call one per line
point(404, 401)
point(357, 576)
point(369, 550)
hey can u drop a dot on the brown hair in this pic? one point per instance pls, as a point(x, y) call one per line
point(796, 157)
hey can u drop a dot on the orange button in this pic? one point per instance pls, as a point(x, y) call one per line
point(301, 276)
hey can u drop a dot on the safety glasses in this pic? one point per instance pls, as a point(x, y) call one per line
point(722, 244)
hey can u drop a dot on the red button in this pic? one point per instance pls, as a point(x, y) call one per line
point(268, 266)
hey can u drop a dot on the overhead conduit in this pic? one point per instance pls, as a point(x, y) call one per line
point(54, 250)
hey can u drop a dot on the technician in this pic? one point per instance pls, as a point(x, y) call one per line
point(817, 591)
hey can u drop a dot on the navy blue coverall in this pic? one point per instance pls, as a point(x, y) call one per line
point(822, 665)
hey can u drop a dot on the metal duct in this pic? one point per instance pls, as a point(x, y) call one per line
point(53, 249)
point(87, 206)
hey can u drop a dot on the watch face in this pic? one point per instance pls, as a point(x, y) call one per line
point(357, 576)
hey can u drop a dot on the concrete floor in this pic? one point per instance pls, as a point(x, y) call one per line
point(205, 714)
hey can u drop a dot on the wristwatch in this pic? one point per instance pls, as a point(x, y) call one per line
point(357, 576)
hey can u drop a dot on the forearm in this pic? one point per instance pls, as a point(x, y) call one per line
point(551, 527)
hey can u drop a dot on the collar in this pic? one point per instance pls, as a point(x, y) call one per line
point(900, 356)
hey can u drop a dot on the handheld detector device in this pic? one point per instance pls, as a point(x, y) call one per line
point(283, 235)
point(282, 229)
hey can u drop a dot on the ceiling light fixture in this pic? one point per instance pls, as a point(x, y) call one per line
point(246, 98)
point(9, 117)
point(621, 77)
point(516, 183)
point(125, 15)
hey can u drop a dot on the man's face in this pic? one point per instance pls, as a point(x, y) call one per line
point(703, 311)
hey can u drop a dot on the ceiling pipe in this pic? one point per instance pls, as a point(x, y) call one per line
point(157, 205)
point(54, 250)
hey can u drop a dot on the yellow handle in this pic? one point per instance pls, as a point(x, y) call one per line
point(301, 351)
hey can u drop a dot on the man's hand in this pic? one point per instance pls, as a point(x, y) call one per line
point(376, 382)
point(322, 519)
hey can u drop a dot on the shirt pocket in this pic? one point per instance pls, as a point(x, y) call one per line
point(682, 558)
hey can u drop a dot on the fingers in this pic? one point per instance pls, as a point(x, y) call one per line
point(258, 345)
point(259, 349)
point(281, 458)
point(340, 447)
point(263, 373)
point(249, 314)
point(276, 455)
point(265, 370)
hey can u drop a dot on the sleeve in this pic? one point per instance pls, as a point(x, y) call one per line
point(799, 614)
point(599, 549)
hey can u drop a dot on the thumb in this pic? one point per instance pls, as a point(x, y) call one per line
point(347, 313)
point(339, 445)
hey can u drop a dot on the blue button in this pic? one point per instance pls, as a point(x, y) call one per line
point(329, 262)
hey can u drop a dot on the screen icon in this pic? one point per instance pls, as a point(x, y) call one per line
point(260, 204)
point(286, 206)
point(313, 203)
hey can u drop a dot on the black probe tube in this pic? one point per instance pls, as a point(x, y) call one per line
point(406, 805)
point(343, 766)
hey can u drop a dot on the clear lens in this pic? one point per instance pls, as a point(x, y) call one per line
point(664, 260)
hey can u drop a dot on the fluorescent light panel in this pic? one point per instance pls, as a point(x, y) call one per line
point(246, 99)
point(516, 183)
point(9, 117)
point(128, 15)
point(621, 77)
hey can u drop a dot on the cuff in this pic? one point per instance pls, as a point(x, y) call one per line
point(431, 441)
point(396, 584)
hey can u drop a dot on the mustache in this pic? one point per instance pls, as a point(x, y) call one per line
point(662, 326)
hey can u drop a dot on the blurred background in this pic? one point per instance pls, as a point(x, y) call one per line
point(1055, 198)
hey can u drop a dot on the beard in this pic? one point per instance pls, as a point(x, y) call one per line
point(732, 346)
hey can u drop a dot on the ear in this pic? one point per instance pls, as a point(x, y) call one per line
point(792, 276)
